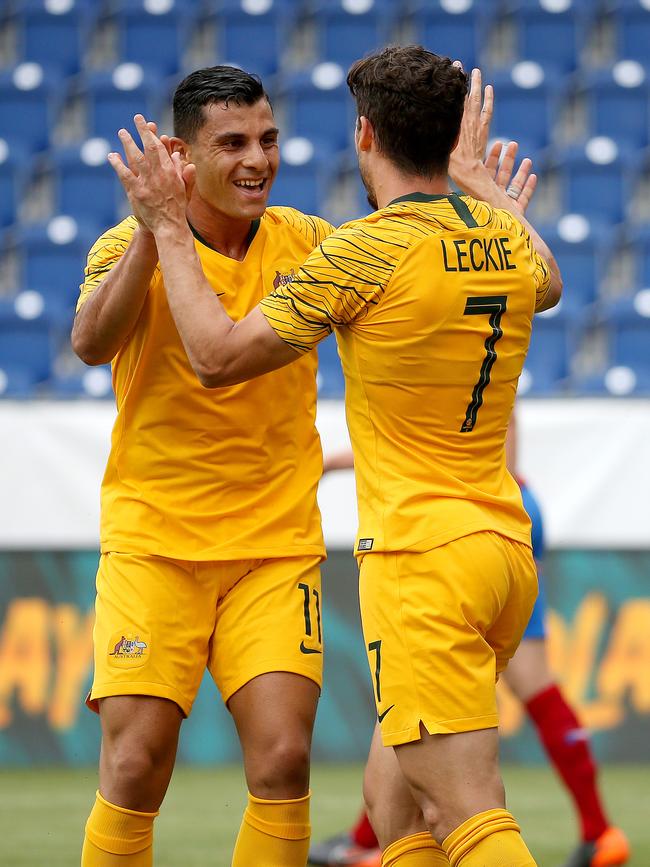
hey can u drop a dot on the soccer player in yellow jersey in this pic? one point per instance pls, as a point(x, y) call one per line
point(210, 530)
point(432, 299)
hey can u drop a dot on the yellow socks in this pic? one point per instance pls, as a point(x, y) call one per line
point(416, 850)
point(117, 837)
point(490, 838)
point(273, 834)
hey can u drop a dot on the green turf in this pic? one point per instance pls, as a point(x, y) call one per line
point(42, 813)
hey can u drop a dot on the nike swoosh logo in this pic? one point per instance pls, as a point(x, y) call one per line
point(380, 716)
point(304, 649)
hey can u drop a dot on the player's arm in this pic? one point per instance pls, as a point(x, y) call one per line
point(481, 180)
point(108, 314)
point(105, 320)
point(221, 352)
point(338, 461)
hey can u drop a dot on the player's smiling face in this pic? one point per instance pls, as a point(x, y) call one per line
point(236, 157)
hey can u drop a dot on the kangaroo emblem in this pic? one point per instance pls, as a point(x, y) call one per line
point(118, 647)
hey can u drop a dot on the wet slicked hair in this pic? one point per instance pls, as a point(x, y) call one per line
point(414, 100)
point(214, 84)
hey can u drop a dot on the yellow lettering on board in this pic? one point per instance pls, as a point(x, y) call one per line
point(626, 666)
point(73, 635)
point(25, 663)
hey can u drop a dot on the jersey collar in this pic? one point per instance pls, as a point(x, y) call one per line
point(422, 197)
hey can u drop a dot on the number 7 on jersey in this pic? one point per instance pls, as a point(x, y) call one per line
point(493, 306)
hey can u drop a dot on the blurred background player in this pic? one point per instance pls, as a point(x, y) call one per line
point(210, 531)
point(528, 676)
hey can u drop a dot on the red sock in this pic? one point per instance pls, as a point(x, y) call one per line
point(567, 745)
point(362, 833)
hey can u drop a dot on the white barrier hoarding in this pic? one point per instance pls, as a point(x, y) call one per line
point(587, 460)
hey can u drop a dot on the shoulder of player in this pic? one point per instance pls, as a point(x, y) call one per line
point(116, 239)
point(489, 217)
point(310, 227)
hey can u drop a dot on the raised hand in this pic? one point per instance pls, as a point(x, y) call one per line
point(470, 167)
point(155, 180)
point(467, 157)
point(522, 186)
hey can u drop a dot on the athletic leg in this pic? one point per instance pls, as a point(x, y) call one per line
point(567, 745)
point(438, 627)
point(152, 630)
point(139, 741)
point(266, 658)
point(274, 714)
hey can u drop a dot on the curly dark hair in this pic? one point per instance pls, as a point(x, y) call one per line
point(212, 84)
point(414, 100)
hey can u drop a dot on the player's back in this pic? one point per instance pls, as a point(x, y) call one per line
point(432, 368)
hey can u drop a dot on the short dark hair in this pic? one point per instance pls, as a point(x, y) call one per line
point(212, 84)
point(414, 100)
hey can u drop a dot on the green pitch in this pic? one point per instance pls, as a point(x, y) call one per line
point(43, 811)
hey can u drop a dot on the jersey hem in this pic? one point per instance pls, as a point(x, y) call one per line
point(215, 555)
point(154, 690)
point(440, 539)
point(439, 727)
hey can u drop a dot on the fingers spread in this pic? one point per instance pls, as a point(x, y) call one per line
point(492, 159)
point(154, 150)
point(125, 174)
point(134, 155)
point(527, 192)
point(507, 164)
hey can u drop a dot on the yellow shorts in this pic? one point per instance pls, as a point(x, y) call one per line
point(439, 627)
point(160, 623)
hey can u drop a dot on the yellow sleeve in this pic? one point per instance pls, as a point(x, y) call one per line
point(344, 276)
point(105, 252)
point(539, 268)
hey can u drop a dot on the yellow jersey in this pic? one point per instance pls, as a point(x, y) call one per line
point(432, 300)
point(224, 474)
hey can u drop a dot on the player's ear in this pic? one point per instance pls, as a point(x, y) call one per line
point(365, 134)
point(178, 146)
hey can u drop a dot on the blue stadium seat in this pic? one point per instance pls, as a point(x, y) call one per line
point(51, 263)
point(93, 382)
point(54, 34)
point(331, 384)
point(458, 28)
point(618, 102)
point(154, 34)
point(15, 167)
point(632, 27)
point(305, 178)
point(553, 344)
point(551, 33)
point(114, 96)
point(582, 248)
point(628, 322)
point(526, 103)
point(596, 179)
point(85, 186)
point(254, 34)
point(348, 29)
point(26, 347)
point(319, 105)
point(638, 240)
point(30, 99)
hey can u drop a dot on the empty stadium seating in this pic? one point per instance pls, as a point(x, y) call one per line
point(348, 29)
point(572, 84)
point(254, 34)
